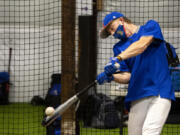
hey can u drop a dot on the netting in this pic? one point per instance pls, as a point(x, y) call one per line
point(139, 12)
point(33, 29)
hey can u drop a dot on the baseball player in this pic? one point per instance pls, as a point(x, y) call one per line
point(144, 66)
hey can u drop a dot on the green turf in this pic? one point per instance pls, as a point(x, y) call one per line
point(93, 131)
point(21, 119)
point(169, 129)
point(25, 119)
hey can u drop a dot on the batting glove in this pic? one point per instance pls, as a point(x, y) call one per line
point(112, 66)
point(103, 77)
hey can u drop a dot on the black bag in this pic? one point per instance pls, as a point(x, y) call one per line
point(99, 111)
point(4, 88)
point(171, 54)
point(107, 117)
point(37, 100)
point(174, 115)
point(53, 95)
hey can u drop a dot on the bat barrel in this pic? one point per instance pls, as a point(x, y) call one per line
point(59, 111)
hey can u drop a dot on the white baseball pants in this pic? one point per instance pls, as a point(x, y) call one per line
point(148, 115)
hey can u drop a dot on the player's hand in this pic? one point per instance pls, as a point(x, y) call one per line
point(103, 77)
point(112, 66)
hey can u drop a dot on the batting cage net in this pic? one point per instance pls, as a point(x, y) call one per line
point(32, 28)
point(51, 49)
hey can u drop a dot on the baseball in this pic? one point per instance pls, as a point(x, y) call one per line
point(49, 111)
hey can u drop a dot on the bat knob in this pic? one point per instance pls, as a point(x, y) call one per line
point(43, 123)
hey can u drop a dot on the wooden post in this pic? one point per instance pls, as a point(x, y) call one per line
point(87, 53)
point(68, 64)
point(99, 5)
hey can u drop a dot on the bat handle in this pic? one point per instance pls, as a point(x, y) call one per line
point(86, 88)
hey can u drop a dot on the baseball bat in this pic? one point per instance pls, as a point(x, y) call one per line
point(63, 107)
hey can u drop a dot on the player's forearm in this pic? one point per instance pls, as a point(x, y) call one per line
point(122, 78)
point(136, 48)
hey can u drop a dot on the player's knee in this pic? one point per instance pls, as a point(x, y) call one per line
point(148, 130)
